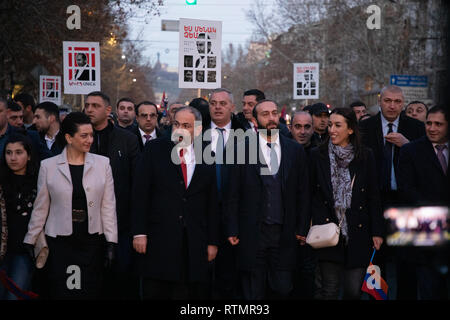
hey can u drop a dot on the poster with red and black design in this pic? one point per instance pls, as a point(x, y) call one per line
point(81, 67)
point(50, 89)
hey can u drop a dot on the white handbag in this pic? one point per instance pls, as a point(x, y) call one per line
point(325, 235)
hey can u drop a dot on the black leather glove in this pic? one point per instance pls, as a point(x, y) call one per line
point(29, 248)
point(110, 254)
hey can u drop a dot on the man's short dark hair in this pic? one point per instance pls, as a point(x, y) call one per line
point(416, 102)
point(126, 100)
point(439, 108)
point(146, 103)
point(358, 103)
point(50, 109)
point(26, 100)
point(255, 92)
point(102, 95)
point(13, 106)
point(255, 113)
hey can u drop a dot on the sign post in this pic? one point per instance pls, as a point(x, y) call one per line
point(413, 87)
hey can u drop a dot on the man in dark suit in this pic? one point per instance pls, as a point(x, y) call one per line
point(146, 115)
point(121, 147)
point(302, 131)
point(221, 131)
point(385, 133)
point(268, 218)
point(422, 181)
point(175, 216)
point(423, 163)
point(46, 120)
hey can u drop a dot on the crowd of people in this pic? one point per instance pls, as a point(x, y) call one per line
point(126, 205)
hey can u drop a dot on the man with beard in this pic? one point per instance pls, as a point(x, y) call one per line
point(176, 233)
point(268, 219)
point(46, 120)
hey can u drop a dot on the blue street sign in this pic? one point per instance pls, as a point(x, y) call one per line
point(409, 81)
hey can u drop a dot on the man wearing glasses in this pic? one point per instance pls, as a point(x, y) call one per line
point(146, 115)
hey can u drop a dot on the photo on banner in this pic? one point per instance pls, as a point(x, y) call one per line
point(81, 67)
point(199, 63)
point(50, 89)
point(306, 81)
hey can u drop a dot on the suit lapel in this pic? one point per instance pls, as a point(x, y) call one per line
point(286, 160)
point(260, 162)
point(63, 165)
point(379, 132)
point(431, 154)
point(88, 163)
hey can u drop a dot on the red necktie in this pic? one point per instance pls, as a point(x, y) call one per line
point(183, 167)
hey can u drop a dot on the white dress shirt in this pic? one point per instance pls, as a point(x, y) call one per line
point(385, 127)
point(50, 141)
point(152, 135)
point(215, 135)
point(266, 150)
point(189, 158)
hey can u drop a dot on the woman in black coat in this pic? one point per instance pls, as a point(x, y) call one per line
point(344, 188)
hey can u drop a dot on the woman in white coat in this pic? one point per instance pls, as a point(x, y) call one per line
point(76, 208)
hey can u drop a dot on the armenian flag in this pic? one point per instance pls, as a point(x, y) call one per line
point(373, 283)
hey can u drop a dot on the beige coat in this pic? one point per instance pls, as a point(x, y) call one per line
point(53, 204)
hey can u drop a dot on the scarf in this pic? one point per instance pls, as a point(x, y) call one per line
point(340, 159)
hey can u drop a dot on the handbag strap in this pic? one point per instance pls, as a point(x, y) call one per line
point(353, 181)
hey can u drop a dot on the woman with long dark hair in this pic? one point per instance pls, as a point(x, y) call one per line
point(344, 188)
point(18, 176)
point(76, 207)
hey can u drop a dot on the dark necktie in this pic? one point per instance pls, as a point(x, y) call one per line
point(183, 168)
point(273, 158)
point(440, 154)
point(147, 137)
point(388, 159)
point(219, 158)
